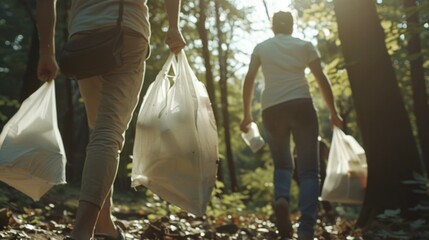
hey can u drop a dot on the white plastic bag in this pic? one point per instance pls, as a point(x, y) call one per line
point(32, 156)
point(176, 154)
point(253, 138)
point(346, 172)
point(147, 141)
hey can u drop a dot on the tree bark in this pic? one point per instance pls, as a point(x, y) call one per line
point(30, 81)
point(420, 96)
point(382, 118)
point(224, 100)
point(67, 118)
point(203, 33)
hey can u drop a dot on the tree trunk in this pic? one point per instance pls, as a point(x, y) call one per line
point(67, 118)
point(224, 100)
point(79, 147)
point(420, 97)
point(30, 81)
point(386, 130)
point(203, 33)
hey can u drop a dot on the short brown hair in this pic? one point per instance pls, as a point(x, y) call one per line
point(283, 22)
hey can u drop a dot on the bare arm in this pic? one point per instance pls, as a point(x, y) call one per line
point(174, 38)
point(46, 20)
point(248, 87)
point(326, 90)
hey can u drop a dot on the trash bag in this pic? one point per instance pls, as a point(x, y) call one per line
point(346, 172)
point(32, 156)
point(176, 145)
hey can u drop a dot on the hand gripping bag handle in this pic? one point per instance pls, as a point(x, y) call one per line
point(155, 99)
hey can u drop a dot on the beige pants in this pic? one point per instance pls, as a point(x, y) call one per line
point(110, 101)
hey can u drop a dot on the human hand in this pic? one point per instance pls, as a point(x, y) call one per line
point(175, 40)
point(245, 123)
point(336, 120)
point(47, 69)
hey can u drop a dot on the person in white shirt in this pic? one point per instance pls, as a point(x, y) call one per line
point(287, 109)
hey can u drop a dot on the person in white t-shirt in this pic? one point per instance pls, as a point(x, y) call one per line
point(287, 109)
point(110, 99)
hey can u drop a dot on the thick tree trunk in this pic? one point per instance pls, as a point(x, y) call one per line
point(224, 101)
point(420, 96)
point(386, 131)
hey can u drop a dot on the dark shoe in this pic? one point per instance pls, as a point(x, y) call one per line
point(283, 223)
point(119, 236)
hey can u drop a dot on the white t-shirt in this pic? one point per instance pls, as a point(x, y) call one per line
point(283, 60)
point(94, 14)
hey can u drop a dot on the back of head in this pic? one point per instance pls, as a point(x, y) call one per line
point(282, 22)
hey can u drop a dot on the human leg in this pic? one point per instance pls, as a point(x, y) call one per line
point(277, 134)
point(105, 222)
point(109, 113)
point(305, 133)
point(278, 138)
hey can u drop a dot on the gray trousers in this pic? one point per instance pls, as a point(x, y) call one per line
point(110, 101)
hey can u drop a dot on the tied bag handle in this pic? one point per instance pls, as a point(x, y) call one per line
point(156, 85)
point(170, 63)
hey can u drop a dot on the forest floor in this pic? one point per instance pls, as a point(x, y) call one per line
point(52, 217)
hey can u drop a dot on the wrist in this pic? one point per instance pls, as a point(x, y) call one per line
point(46, 51)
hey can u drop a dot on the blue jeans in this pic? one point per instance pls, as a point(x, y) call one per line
point(299, 119)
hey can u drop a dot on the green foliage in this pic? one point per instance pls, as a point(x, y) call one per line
point(15, 39)
point(259, 186)
point(391, 225)
point(222, 204)
point(260, 189)
point(7, 103)
point(157, 208)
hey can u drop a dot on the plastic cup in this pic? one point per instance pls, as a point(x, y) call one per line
point(253, 138)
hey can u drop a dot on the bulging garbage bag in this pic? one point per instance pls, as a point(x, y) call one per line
point(346, 172)
point(32, 156)
point(176, 145)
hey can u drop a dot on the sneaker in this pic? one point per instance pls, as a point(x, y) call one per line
point(283, 223)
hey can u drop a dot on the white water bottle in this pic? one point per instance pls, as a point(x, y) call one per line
point(253, 138)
